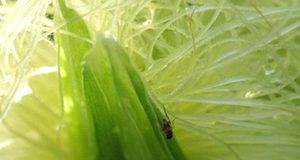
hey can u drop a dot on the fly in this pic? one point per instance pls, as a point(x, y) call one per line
point(166, 126)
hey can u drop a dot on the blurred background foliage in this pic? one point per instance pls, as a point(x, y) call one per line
point(227, 71)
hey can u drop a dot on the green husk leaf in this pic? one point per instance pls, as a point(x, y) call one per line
point(71, 56)
point(125, 118)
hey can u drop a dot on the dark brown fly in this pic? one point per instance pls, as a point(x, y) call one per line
point(166, 126)
point(167, 129)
